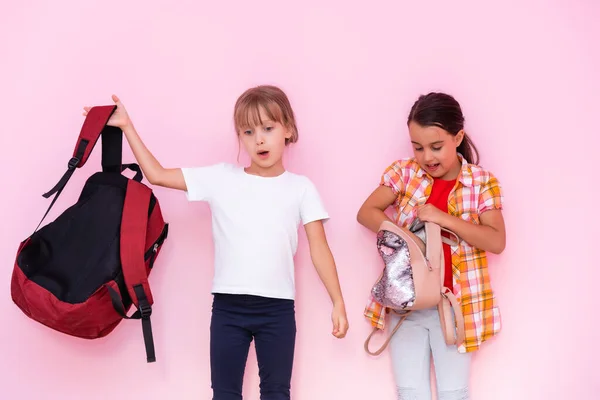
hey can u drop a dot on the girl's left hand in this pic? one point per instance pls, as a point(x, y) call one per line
point(430, 213)
point(340, 321)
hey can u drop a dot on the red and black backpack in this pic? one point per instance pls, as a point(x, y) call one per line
point(81, 273)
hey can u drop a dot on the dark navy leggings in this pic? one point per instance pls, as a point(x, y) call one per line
point(236, 321)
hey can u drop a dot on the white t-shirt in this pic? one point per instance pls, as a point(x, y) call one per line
point(255, 224)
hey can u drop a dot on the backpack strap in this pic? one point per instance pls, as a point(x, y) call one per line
point(93, 126)
point(403, 316)
point(451, 326)
point(452, 240)
point(133, 246)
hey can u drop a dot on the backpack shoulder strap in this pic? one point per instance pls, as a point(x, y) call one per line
point(452, 318)
point(452, 239)
point(133, 242)
point(93, 125)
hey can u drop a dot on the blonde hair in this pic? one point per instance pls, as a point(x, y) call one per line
point(275, 104)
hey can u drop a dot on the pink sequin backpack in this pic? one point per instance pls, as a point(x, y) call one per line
point(413, 276)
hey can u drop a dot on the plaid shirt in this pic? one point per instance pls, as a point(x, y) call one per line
point(476, 191)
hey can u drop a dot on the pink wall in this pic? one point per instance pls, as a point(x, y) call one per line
point(526, 75)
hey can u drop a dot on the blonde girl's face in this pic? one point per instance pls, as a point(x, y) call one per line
point(265, 143)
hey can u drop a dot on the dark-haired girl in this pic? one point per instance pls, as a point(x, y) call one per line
point(441, 183)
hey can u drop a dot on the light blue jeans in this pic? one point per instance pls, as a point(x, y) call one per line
point(418, 339)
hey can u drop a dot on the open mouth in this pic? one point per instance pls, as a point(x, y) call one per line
point(432, 167)
point(263, 154)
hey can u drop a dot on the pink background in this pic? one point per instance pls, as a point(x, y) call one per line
point(526, 74)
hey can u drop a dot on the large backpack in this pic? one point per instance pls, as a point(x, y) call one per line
point(81, 273)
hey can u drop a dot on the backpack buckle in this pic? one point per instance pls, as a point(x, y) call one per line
point(73, 162)
point(145, 309)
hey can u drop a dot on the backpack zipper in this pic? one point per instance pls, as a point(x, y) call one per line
point(157, 243)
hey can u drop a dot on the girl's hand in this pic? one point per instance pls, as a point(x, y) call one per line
point(340, 321)
point(120, 118)
point(430, 213)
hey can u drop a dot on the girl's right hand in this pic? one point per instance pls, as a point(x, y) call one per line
point(120, 118)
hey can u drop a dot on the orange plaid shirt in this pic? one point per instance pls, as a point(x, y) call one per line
point(476, 191)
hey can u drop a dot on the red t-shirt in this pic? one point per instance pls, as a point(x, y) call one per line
point(439, 197)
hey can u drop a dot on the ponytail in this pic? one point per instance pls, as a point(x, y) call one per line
point(468, 150)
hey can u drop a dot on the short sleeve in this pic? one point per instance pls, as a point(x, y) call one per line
point(201, 182)
point(392, 178)
point(491, 196)
point(311, 205)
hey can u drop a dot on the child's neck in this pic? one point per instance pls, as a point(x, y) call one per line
point(269, 172)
